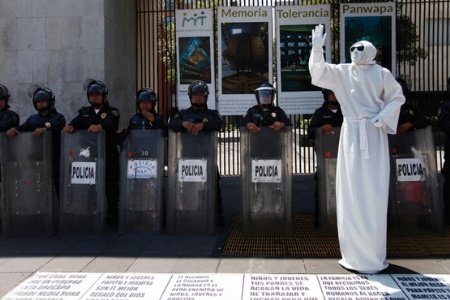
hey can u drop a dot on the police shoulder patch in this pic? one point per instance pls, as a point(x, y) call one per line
point(115, 112)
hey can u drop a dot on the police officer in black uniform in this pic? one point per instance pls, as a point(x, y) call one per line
point(8, 118)
point(146, 117)
point(265, 113)
point(444, 123)
point(94, 118)
point(410, 117)
point(199, 118)
point(327, 116)
point(47, 119)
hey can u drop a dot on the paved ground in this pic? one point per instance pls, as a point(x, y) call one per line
point(22, 258)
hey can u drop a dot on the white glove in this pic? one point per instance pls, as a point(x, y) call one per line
point(318, 38)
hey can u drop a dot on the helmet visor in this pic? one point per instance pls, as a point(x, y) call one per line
point(265, 97)
point(145, 96)
point(95, 89)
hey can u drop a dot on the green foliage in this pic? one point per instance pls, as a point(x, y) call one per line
point(302, 123)
point(408, 49)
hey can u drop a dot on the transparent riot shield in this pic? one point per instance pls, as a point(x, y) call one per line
point(141, 188)
point(414, 202)
point(27, 185)
point(192, 182)
point(327, 149)
point(83, 204)
point(266, 180)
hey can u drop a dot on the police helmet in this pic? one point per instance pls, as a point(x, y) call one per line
point(198, 86)
point(38, 93)
point(92, 86)
point(265, 89)
point(146, 94)
point(4, 93)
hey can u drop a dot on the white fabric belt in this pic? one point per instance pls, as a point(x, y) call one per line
point(363, 141)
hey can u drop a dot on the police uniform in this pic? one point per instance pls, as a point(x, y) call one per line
point(108, 118)
point(138, 121)
point(323, 116)
point(8, 120)
point(444, 123)
point(265, 116)
point(409, 113)
point(54, 121)
point(211, 119)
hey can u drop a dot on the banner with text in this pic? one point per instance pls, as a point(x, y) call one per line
point(373, 22)
point(245, 56)
point(195, 52)
point(296, 94)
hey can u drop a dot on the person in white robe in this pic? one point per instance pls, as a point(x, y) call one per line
point(370, 99)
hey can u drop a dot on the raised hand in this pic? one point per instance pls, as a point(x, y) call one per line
point(318, 37)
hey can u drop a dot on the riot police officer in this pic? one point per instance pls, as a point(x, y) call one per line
point(265, 113)
point(327, 116)
point(410, 118)
point(8, 118)
point(444, 123)
point(146, 117)
point(47, 119)
point(199, 118)
point(94, 118)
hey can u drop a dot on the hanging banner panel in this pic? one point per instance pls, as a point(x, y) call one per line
point(195, 52)
point(373, 22)
point(296, 94)
point(245, 56)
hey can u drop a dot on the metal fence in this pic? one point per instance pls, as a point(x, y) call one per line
point(156, 65)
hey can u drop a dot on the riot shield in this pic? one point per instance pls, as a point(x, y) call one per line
point(266, 180)
point(27, 185)
point(141, 178)
point(192, 182)
point(82, 180)
point(327, 149)
point(414, 202)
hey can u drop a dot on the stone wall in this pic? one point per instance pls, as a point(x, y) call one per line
point(60, 43)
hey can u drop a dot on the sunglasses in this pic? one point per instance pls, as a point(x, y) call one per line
point(359, 48)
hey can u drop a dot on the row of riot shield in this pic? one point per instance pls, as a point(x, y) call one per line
point(185, 202)
point(31, 206)
point(414, 202)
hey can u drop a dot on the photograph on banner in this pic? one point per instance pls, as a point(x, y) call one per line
point(195, 48)
point(245, 56)
point(296, 94)
point(195, 59)
point(373, 22)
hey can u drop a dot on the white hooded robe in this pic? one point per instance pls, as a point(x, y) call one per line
point(368, 95)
